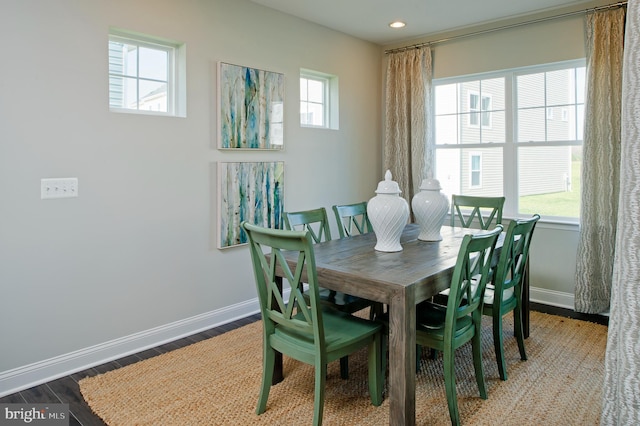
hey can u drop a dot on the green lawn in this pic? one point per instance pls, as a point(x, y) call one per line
point(565, 204)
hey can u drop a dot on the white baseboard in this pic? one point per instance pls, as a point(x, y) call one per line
point(27, 376)
point(551, 297)
point(24, 377)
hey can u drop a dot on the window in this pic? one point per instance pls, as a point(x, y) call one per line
point(475, 172)
point(479, 111)
point(143, 75)
point(318, 100)
point(516, 133)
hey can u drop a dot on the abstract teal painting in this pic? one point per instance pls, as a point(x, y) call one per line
point(250, 108)
point(251, 191)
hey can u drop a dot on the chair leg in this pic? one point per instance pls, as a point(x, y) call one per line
point(318, 400)
point(476, 344)
point(498, 344)
point(344, 367)
point(519, 333)
point(376, 375)
point(269, 356)
point(450, 385)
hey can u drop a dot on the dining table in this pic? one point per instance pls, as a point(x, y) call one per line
point(400, 280)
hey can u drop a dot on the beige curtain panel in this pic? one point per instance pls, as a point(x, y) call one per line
point(601, 160)
point(621, 393)
point(408, 97)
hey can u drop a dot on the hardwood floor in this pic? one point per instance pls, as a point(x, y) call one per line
point(66, 389)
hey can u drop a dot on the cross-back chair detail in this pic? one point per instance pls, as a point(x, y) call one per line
point(315, 221)
point(487, 211)
point(352, 219)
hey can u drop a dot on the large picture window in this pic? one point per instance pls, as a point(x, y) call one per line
point(516, 133)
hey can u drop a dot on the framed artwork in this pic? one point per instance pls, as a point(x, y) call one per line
point(250, 108)
point(251, 191)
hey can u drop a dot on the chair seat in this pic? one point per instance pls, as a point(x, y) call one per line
point(489, 293)
point(430, 318)
point(339, 329)
point(507, 295)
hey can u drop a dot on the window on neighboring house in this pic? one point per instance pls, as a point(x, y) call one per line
point(318, 100)
point(144, 74)
point(479, 109)
point(475, 170)
point(516, 133)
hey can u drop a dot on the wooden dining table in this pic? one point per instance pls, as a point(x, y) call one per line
point(400, 280)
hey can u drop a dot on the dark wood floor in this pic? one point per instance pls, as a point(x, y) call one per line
point(66, 390)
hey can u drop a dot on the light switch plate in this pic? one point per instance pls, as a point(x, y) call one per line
point(58, 188)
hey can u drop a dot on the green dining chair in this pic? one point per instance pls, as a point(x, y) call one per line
point(317, 223)
point(352, 219)
point(446, 328)
point(485, 211)
point(504, 293)
point(298, 327)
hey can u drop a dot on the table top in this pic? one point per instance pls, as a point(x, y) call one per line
point(353, 266)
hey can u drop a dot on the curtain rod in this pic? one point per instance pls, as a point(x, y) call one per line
point(506, 27)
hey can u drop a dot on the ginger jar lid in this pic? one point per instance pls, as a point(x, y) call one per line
point(430, 185)
point(388, 186)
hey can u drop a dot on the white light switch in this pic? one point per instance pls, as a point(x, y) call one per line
point(58, 188)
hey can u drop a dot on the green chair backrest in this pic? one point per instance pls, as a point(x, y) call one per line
point(483, 209)
point(315, 221)
point(297, 312)
point(351, 218)
point(513, 257)
point(470, 277)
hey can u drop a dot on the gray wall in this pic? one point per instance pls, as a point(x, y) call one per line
point(136, 250)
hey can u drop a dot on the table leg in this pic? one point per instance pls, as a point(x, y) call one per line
point(402, 358)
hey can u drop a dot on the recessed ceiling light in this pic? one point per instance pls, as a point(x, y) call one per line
point(397, 24)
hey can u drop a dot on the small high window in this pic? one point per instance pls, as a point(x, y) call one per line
point(318, 100)
point(145, 74)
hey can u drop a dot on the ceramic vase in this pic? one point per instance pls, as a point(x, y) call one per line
point(430, 207)
point(388, 213)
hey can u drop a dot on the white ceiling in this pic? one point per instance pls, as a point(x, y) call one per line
point(369, 19)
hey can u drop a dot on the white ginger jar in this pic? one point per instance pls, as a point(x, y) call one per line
point(430, 207)
point(388, 213)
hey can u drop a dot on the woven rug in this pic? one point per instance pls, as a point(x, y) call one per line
point(215, 382)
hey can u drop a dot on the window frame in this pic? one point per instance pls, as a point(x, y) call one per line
point(331, 99)
point(511, 145)
point(175, 78)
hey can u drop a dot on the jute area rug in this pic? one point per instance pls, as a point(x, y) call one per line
point(215, 382)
